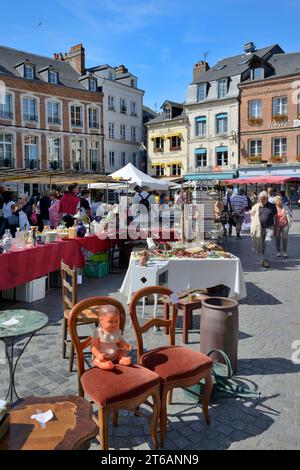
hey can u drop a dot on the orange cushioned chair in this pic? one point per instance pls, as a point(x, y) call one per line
point(124, 387)
point(177, 366)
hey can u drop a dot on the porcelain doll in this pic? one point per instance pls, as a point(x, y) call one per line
point(108, 345)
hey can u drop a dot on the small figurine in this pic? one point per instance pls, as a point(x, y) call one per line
point(108, 345)
point(144, 258)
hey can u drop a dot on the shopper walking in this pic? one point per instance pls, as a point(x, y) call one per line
point(54, 209)
point(262, 226)
point(239, 205)
point(283, 222)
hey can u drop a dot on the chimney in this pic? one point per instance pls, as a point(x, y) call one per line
point(120, 69)
point(76, 58)
point(199, 68)
point(249, 47)
point(58, 56)
point(55, 56)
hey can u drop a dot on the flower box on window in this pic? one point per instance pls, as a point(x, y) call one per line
point(280, 118)
point(175, 149)
point(255, 159)
point(254, 121)
point(278, 158)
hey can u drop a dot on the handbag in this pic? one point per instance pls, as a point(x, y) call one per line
point(223, 384)
point(13, 220)
point(33, 218)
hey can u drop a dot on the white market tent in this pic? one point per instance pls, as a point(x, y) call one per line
point(134, 177)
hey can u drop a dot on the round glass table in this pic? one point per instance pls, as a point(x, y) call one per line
point(13, 325)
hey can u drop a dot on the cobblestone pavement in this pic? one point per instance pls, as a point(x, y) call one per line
point(269, 324)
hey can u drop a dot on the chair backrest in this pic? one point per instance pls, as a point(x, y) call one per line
point(68, 285)
point(141, 329)
point(79, 345)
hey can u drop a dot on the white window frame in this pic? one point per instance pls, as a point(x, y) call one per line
point(159, 170)
point(133, 108)
point(36, 106)
point(200, 157)
point(52, 150)
point(199, 125)
point(218, 120)
point(6, 114)
point(168, 112)
point(133, 133)
point(221, 87)
point(95, 122)
point(92, 84)
point(112, 160)
point(256, 106)
point(280, 105)
point(203, 88)
point(79, 146)
point(111, 103)
point(134, 158)
point(282, 148)
point(31, 145)
point(223, 159)
point(111, 130)
point(175, 169)
point(122, 132)
point(28, 67)
point(123, 106)
point(78, 106)
point(257, 148)
point(51, 115)
point(123, 158)
point(94, 150)
point(53, 73)
point(4, 143)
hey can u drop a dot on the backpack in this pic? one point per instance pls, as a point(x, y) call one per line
point(223, 384)
point(145, 202)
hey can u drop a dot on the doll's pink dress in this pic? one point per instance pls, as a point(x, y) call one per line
point(106, 343)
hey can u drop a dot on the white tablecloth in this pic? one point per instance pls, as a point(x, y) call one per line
point(184, 273)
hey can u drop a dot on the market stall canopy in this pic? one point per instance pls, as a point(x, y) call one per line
point(50, 177)
point(276, 179)
point(137, 177)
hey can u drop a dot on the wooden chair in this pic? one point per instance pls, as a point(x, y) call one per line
point(69, 296)
point(124, 387)
point(177, 366)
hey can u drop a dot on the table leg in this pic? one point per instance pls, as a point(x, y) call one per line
point(189, 318)
point(166, 316)
point(12, 395)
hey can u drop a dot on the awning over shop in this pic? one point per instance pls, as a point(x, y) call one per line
point(174, 163)
point(265, 180)
point(209, 176)
point(158, 137)
point(174, 134)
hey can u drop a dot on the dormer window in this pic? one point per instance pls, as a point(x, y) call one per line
point(202, 91)
point(28, 72)
point(257, 73)
point(52, 77)
point(168, 113)
point(92, 84)
point(222, 87)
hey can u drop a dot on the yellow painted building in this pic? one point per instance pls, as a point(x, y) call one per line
point(168, 142)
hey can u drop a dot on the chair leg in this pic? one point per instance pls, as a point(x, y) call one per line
point(166, 316)
point(144, 303)
point(103, 428)
point(72, 354)
point(64, 337)
point(206, 396)
point(163, 415)
point(170, 396)
point(115, 419)
point(155, 418)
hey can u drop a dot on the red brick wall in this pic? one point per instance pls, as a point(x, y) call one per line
point(266, 91)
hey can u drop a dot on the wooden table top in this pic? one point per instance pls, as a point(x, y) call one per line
point(70, 428)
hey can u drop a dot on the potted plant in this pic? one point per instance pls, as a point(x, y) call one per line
point(255, 121)
point(280, 117)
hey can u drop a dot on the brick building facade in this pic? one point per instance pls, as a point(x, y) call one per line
point(51, 112)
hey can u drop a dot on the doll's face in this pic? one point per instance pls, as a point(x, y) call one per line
point(110, 322)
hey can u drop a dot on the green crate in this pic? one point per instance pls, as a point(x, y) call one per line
point(95, 269)
point(102, 257)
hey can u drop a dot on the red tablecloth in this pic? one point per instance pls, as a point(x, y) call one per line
point(93, 243)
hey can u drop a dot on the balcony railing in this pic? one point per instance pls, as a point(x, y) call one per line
point(77, 165)
point(6, 115)
point(32, 164)
point(55, 165)
point(7, 162)
point(30, 117)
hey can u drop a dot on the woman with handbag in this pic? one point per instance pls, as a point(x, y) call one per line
point(283, 221)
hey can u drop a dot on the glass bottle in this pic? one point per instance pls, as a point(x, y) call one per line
point(7, 241)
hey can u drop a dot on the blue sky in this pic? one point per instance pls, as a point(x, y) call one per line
point(158, 40)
